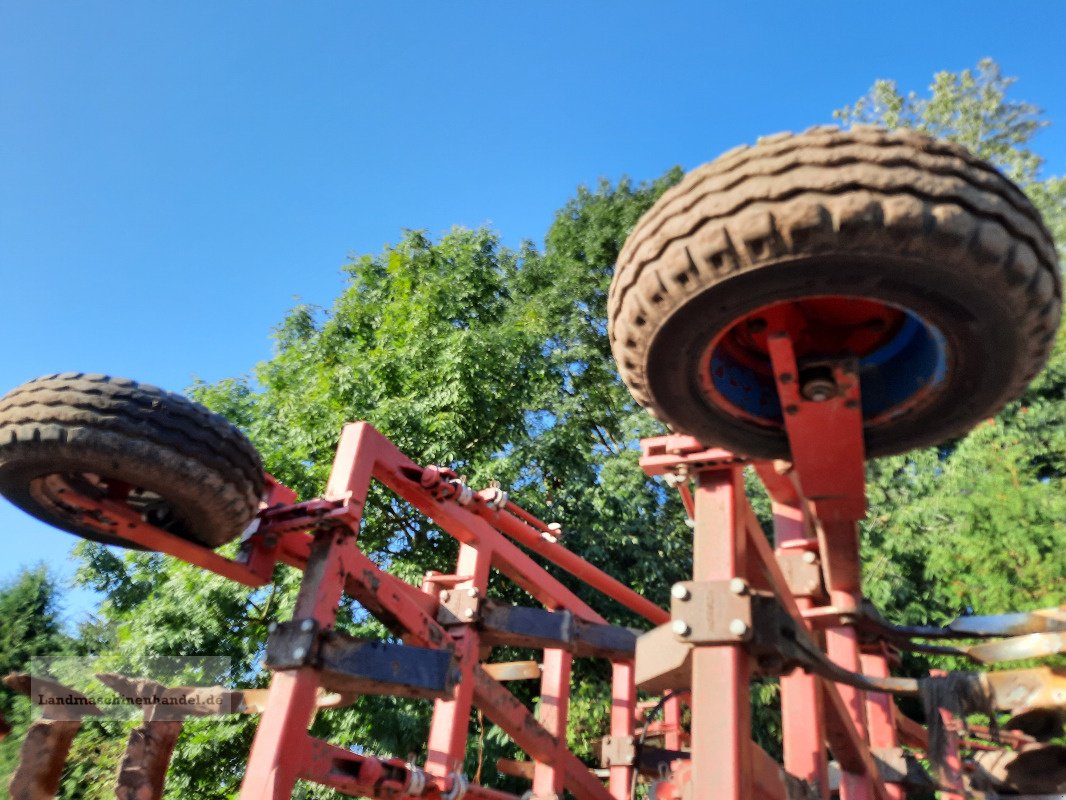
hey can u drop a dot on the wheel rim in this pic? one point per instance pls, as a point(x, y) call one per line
point(55, 493)
point(902, 358)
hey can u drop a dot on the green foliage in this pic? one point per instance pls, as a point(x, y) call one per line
point(974, 526)
point(29, 629)
point(972, 108)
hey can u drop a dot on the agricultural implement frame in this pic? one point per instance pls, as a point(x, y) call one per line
point(793, 610)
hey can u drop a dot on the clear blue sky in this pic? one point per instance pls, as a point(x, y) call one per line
point(173, 174)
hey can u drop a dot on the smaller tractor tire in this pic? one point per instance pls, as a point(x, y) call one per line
point(921, 262)
point(185, 469)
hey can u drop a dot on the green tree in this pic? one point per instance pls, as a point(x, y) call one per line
point(30, 628)
point(974, 526)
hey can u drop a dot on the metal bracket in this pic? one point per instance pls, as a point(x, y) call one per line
point(459, 606)
point(711, 612)
point(617, 751)
point(346, 663)
point(292, 644)
point(802, 572)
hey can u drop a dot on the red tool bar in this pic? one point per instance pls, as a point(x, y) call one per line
point(507, 711)
point(574, 564)
point(802, 713)
point(831, 477)
point(880, 713)
point(623, 718)
point(365, 776)
point(256, 568)
point(549, 779)
point(847, 742)
point(721, 705)
point(662, 455)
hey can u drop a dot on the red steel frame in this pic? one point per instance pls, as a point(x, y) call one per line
point(817, 501)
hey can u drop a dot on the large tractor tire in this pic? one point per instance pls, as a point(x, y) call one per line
point(907, 253)
point(183, 468)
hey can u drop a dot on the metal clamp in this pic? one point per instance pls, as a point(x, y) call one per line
point(497, 498)
point(292, 644)
point(416, 781)
point(711, 612)
point(617, 751)
point(459, 606)
point(458, 788)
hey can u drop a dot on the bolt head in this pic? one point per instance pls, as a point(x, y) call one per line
point(299, 652)
point(445, 595)
point(818, 390)
point(469, 613)
point(680, 592)
point(738, 627)
point(738, 586)
point(307, 625)
point(472, 592)
point(809, 557)
point(680, 627)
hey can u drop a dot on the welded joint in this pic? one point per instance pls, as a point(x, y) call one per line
point(618, 751)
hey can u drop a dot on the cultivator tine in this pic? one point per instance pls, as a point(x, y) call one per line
point(1045, 620)
point(43, 752)
point(1018, 648)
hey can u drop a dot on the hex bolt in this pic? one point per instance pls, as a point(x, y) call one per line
point(299, 653)
point(307, 625)
point(738, 586)
point(738, 627)
point(809, 557)
point(680, 591)
point(680, 627)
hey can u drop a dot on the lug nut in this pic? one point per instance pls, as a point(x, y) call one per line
point(680, 591)
point(680, 627)
point(738, 586)
point(738, 627)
